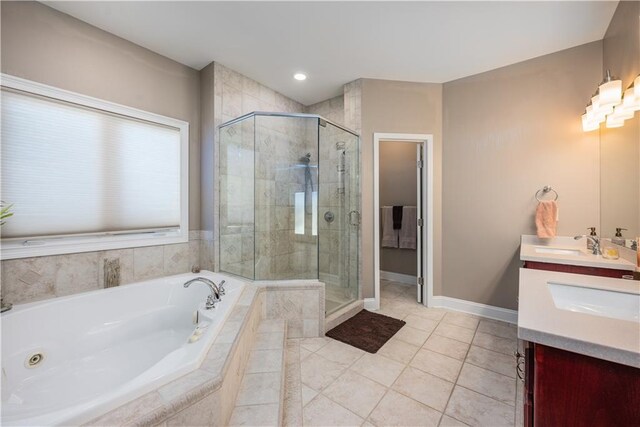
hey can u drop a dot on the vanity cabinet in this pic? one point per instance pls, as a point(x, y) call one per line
point(578, 269)
point(563, 388)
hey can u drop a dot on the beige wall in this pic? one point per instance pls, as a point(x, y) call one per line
point(620, 147)
point(41, 44)
point(50, 47)
point(509, 132)
point(398, 107)
point(398, 187)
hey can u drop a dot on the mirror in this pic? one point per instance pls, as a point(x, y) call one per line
point(620, 180)
point(620, 147)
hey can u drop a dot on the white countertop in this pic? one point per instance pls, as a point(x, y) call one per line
point(540, 319)
point(531, 245)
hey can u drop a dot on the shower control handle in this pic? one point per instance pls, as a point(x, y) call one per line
point(329, 216)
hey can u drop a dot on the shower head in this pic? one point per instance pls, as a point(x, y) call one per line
point(306, 158)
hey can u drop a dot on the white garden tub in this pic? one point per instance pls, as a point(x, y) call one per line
point(103, 348)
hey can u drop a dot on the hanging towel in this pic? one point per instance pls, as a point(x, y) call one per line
point(408, 232)
point(397, 217)
point(389, 235)
point(547, 219)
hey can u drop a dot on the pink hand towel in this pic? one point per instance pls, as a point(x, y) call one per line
point(547, 219)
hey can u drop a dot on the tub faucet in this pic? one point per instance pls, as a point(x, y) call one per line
point(214, 297)
point(593, 239)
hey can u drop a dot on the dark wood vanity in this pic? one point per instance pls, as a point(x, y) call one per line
point(563, 388)
point(569, 389)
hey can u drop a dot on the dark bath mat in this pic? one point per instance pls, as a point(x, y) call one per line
point(366, 330)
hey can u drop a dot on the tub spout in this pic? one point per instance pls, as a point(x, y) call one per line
point(214, 297)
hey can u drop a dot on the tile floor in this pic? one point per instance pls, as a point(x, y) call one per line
point(441, 369)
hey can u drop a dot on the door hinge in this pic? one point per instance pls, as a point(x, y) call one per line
point(420, 222)
point(420, 164)
point(420, 281)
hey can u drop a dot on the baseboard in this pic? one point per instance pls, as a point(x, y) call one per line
point(489, 311)
point(370, 304)
point(398, 277)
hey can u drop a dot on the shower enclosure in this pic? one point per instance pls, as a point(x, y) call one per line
point(289, 201)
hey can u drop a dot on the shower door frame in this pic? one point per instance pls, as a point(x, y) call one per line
point(427, 210)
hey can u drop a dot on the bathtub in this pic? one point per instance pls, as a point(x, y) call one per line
point(68, 360)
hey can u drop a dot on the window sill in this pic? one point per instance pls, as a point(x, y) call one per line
point(18, 249)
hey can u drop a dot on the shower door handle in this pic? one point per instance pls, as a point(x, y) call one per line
point(354, 218)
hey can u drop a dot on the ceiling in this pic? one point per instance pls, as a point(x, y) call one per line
point(337, 42)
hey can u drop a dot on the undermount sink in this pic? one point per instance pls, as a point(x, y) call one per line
point(558, 251)
point(599, 302)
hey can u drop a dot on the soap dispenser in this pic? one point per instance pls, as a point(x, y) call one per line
point(592, 234)
point(618, 239)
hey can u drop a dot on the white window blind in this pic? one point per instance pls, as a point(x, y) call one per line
point(76, 170)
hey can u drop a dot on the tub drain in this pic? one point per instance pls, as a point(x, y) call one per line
point(34, 360)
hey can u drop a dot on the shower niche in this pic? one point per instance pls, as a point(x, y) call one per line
point(289, 201)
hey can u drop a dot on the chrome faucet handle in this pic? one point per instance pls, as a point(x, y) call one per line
point(211, 302)
point(221, 288)
point(596, 243)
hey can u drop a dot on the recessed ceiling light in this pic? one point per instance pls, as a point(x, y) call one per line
point(300, 76)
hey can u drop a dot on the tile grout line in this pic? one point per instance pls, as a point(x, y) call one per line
point(403, 298)
point(455, 384)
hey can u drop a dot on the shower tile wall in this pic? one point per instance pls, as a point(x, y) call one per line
point(235, 95)
point(338, 239)
point(353, 105)
point(280, 252)
point(280, 144)
point(331, 109)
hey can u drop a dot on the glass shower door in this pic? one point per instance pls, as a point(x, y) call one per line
point(338, 215)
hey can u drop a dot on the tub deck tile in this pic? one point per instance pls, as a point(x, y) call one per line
point(151, 407)
point(190, 387)
point(261, 397)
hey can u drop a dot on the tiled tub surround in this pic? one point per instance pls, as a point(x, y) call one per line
point(99, 349)
point(207, 395)
point(27, 280)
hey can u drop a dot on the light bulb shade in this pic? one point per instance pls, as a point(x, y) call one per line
point(636, 87)
point(614, 122)
point(629, 99)
point(595, 116)
point(622, 113)
point(610, 93)
point(589, 125)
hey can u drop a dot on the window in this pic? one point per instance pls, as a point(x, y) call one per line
point(84, 174)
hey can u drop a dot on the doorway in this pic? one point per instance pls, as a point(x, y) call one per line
point(411, 187)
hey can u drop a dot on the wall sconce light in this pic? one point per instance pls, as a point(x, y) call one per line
point(610, 105)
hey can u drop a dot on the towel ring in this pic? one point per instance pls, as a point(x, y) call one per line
point(544, 190)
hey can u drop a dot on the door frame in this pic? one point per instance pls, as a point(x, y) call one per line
point(427, 208)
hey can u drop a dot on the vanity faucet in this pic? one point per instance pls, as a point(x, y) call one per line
point(214, 297)
point(595, 240)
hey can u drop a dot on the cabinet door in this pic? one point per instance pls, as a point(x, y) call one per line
point(529, 376)
point(575, 390)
